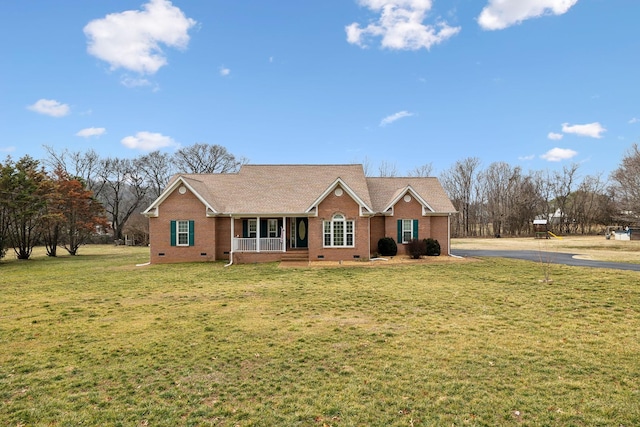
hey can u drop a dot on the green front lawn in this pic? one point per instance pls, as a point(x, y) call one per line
point(95, 340)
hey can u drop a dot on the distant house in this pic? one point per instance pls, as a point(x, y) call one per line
point(306, 212)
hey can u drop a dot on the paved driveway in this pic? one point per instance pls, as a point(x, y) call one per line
point(551, 257)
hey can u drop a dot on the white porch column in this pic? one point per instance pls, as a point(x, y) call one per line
point(283, 234)
point(258, 234)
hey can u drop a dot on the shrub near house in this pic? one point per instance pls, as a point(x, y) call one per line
point(312, 212)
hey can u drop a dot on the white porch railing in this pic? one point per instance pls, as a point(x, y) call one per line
point(267, 244)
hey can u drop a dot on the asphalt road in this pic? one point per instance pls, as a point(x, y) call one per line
point(550, 257)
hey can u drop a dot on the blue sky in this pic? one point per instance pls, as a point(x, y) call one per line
point(535, 83)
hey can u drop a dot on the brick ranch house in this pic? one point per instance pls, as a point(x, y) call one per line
point(305, 212)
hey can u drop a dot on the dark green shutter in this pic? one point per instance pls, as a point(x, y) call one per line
point(399, 231)
point(191, 232)
point(173, 233)
point(245, 228)
point(264, 229)
point(415, 228)
point(279, 231)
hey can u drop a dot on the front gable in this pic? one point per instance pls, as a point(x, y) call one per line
point(408, 195)
point(340, 189)
point(182, 186)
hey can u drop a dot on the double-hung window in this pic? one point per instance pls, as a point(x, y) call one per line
point(338, 232)
point(253, 228)
point(407, 230)
point(182, 233)
point(272, 228)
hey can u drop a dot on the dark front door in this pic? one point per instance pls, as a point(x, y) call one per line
point(302, 235)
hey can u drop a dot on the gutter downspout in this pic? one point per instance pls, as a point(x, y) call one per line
point(230, 259)
point(449, 234)
point(232, 234)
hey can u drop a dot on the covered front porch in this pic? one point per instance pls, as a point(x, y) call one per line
point(268, 234)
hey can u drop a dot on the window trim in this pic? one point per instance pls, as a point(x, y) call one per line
point(338, 229)
point(272, 233)
point(176, 232)
point(252, 228)
point(184, 233)
point(412, 229)
point(406, 230)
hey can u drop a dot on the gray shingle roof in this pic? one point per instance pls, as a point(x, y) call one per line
point(384, 190)
point(292, 189)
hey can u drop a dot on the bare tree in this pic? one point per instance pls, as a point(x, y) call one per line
point(387, 169)
point(563, 185)
point(460, 183)
point(626, 181)
point(497, 179)
point(124, 190)
point(77, 164)
point(586, 202)
point(366, 166)
point(422, 171)
point(206, 158)
point(157, 168)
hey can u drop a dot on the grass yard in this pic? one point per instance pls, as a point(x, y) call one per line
point(95, 340)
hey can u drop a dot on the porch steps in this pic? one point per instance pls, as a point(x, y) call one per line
point(295, 257)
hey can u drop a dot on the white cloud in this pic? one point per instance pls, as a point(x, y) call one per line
point(593, 130)
point(224, 71)
point(397, 116)
point(559, 154)
point(50, 107)
point(400, 25)
point(530, 157)
point(634, 120)
point(130, 82)
point(500, 14)
point(89, 132)
point(132, 39)
point(9, 149)
point(555, 136)
point(148, 141)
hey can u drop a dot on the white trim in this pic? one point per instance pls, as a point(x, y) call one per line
point(347, 189)
point(253, 221)
point(426, 208)
point(404, 230)
point(270, 222)
point(179, 233)
point(344, 222)
point(153, 209)
point(258, 236)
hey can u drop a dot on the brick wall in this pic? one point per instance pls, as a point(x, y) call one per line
point(440, 227)
point(435, 227)
point(377, 227)
point(407, 210)
point(223, 233)
point(345, 205)
point(254, 257)
point(182, 207)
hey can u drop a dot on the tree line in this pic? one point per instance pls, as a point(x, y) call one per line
point(504, 200)
point(70, 197)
